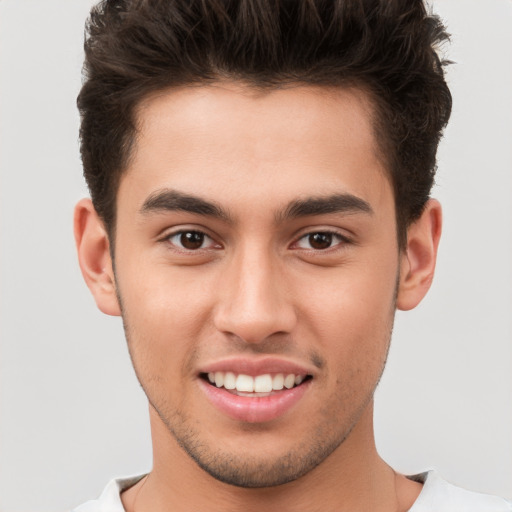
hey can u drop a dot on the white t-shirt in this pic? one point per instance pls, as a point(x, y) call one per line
point(437, 495)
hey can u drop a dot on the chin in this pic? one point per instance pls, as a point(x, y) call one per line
point(274, 466)
point(253, 474)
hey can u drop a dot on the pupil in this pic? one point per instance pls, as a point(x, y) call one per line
point(192, 240)
point(320, 240)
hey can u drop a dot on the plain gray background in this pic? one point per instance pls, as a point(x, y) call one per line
point(72, 413)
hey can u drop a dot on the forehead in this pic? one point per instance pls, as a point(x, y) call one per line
point(259, 119)
point(226, 138)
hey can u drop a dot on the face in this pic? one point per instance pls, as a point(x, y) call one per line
point(256, 266)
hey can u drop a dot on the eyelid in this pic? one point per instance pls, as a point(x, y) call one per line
point(168, 234)
point(343, 239)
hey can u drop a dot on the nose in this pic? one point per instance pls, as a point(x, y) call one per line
point(254, 301)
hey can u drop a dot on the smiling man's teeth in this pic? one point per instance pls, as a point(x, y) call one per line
point(260, 384)
point(244, 383)
point(229, 380)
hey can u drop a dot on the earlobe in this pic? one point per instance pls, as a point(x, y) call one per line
point(94, 257)
point(418, 260)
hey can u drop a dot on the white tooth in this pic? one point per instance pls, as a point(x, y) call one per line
point(211, 377)
point(298, 379)
point(219, 379)
point(289, 381)
point(263, 383)
point(229, 380)
point(245, 383)
point(278, 382)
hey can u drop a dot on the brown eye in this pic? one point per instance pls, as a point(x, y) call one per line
point(320, 240)
point(191, 240)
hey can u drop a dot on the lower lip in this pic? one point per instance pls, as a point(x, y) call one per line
point(257, 409)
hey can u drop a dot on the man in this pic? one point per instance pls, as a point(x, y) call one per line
point(260, 176)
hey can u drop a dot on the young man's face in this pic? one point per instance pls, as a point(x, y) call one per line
point(256, 236)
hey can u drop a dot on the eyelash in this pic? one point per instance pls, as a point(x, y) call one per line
point(341, 240)
point(333, 235)
point(168, 238)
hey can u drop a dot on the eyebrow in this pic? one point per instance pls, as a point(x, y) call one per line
point(172, 200)
point(336, 203)
point(167, 200)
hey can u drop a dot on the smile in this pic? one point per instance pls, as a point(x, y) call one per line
point(258, 394)
point(256, 386)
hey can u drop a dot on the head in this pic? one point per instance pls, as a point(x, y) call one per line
point(263, 171)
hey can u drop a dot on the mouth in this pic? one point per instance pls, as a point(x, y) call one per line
point(257, 386)
point(255, 394)
point(254, 386)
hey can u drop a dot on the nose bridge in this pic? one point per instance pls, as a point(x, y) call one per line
point(254, 303)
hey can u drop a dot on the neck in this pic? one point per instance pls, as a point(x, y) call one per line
point(353, 478)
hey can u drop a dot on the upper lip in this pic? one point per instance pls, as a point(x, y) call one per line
point(253, 367)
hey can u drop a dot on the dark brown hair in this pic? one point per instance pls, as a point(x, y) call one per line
point(387, 47)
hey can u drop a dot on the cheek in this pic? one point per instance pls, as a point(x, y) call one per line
point(161, 295)
point(351, 317)
point(349, 302)
point(164, 312)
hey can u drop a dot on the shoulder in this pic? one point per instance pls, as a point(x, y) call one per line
point(440, 496)
point(110, 498)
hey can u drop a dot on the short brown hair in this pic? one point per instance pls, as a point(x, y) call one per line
point(387, 47)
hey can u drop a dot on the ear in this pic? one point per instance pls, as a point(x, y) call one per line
point(418, 260)
point(94, 257)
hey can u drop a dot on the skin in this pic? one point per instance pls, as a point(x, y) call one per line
point(258, 287)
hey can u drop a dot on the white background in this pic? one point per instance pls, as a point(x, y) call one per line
point(72, 413)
